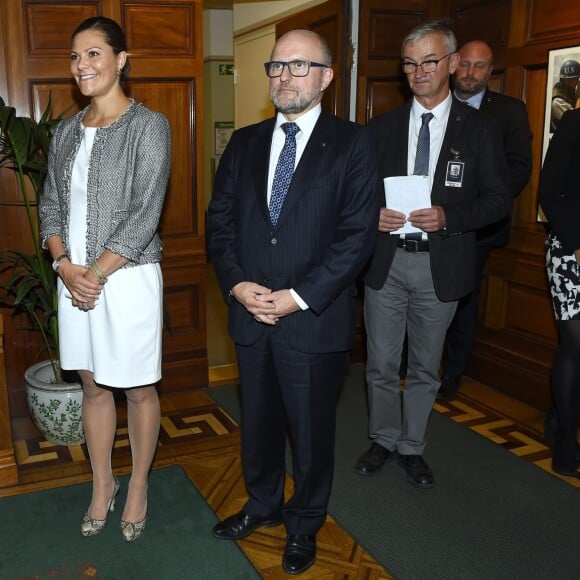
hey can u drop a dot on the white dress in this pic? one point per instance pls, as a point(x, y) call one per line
point(120, 339)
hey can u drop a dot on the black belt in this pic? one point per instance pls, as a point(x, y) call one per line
point(413, 245)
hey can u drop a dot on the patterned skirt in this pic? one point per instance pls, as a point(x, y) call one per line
point(564, 279)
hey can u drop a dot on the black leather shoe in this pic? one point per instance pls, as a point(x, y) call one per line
point(449, 387)
point(417, 470)
point(371, 461)
point(241, 525)
point(299, 554)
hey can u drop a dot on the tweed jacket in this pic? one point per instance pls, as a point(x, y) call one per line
point(128, 175)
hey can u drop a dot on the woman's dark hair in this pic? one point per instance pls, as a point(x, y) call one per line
point(114, 37)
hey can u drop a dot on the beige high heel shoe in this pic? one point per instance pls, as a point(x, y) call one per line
point(133, 530)
point(91, 526)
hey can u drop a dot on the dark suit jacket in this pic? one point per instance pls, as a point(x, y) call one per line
point(484, 197)
point(324, 236)
point(559, 189)
point(513, 122)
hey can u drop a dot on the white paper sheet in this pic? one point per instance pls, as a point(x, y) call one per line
point(406, 193)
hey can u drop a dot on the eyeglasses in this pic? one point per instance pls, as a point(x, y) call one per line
point(297, 68)
point(427, 66)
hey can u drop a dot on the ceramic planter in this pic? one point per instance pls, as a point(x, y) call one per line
point(56, 409)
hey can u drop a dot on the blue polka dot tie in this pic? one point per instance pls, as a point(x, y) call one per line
point(284, 171)
point(423, 145)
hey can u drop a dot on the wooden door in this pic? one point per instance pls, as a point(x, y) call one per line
point(381, 85)
point(332, 21)
point(165, 46)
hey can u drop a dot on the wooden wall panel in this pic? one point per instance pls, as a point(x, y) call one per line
point(380, 44)
point(171, 29)
point(516, 339)
point(496, 82)
point(176, 100)
point(488, 20)
point(165, 46)
point(516, 320)
point(554, 21)
point(526, 207)
point(184, 339)
point(8, 467)
point(49, 26)
point(382, 95)
point(62, 93)
point(528, 311)
point(3, 71)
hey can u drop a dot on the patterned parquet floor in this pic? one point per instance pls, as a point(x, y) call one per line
point(205, 441)
point(202, 438)
point(515, 436)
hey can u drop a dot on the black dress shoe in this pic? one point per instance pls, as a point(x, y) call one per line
point(241, 525)
point(449, 387)
point(371, 461)
point(417, 470)
point(299, 554)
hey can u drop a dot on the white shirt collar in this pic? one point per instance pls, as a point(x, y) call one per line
point(305, 121)
point(440, 112)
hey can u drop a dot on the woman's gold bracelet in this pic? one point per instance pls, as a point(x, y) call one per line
point(98, 273)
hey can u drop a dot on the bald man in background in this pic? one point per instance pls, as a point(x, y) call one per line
point(470, 82)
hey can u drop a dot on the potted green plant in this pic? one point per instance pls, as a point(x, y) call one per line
point(29, 283)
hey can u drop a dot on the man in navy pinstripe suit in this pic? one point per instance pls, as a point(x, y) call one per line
point(290, 285)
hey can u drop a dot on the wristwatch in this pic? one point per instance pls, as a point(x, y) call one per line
point(57, 261)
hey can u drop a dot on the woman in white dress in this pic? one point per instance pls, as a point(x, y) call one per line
point(107, 175)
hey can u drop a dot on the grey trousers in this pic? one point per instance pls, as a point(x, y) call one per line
point(407, 302)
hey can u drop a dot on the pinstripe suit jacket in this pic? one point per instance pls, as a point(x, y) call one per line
point(324, 235)
point(483, 198)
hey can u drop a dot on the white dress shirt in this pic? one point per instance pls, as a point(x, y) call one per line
point(437, 128)
point(306, 123)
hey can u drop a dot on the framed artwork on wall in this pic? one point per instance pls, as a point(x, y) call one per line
point(562, 88)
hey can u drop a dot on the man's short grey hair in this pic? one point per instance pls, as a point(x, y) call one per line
point(432, 27)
